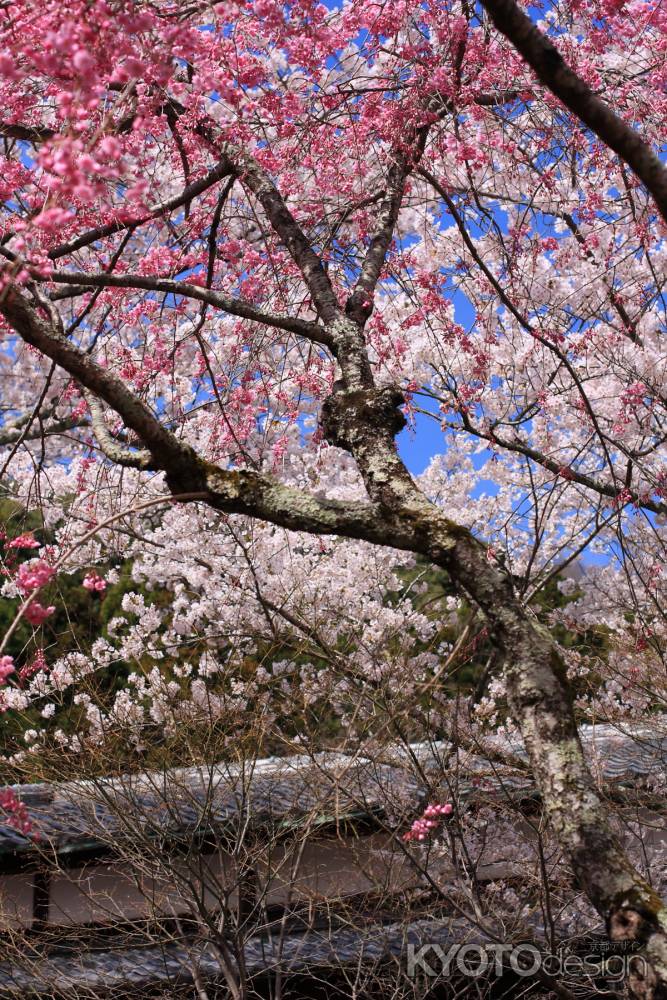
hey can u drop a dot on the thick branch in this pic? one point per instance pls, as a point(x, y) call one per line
point(545, 59)
point(247, 492)
point(25, 133)
point(289, 231)
point(13, 433)
point(222, 169)
point(235, 307)
point(110, 446)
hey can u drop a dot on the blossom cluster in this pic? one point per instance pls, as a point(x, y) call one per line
point(34, 575)
point(429, 822)
point(94, 582)
point(16, 813)
point(6, 668)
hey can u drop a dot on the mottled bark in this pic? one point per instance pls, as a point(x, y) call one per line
point(540, 701)
point(112, 448)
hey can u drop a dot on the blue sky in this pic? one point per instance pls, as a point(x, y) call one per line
point(417, 446)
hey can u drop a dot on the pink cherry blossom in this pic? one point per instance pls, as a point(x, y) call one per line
point(33, 575)
point(93, 582)
point(37, 614)
point(25, 541)
point(429, 822)
point(6, 668)
point(16, 813)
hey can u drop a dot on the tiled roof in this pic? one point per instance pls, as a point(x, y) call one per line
point(620, 753)
point(114, 971)
point(276, 791)
point(328, 786)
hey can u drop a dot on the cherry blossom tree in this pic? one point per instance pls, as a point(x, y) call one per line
point(243, 246)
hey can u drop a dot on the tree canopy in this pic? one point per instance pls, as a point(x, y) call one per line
point(245, 246)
